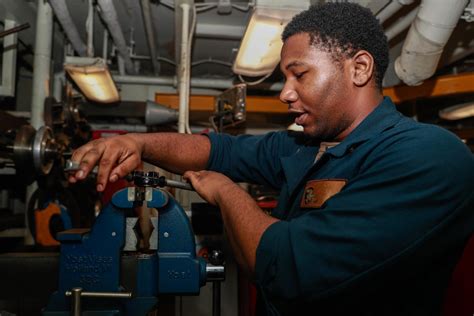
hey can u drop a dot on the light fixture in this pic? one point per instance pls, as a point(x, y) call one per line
point(457, 112)
point(259, 51)
point(93, 78)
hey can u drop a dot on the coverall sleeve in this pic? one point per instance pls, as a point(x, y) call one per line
point(253, 159)
point(389, 212)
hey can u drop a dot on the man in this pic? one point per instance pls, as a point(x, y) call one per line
point(374, 208)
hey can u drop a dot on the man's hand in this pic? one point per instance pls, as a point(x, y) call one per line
point(116, 156)
point(211, 186)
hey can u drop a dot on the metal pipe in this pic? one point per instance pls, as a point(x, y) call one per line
point(15, 29)
point(99, 294)
point(401, 25)
point(391, 9)
point(42, 62)
point(119, 127)
point(90, 29)
point(41, 79)
point(109, 14)
point(426, 39)
point(184, 69)
point(150, 34)
point(195, 82)
point(76, 301)
point(105, 49)
point(58, 83)
point(64, 17)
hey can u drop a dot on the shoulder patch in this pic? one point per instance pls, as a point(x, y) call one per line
point(316, 192)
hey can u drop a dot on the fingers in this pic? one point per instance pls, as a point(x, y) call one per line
point(192, 176)
point(106, 164)
point(87, 156)
point(115, 157)
point(124, 168)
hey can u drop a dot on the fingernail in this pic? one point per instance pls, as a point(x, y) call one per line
point(113, 178)
point(80, 174)
point(100, 187)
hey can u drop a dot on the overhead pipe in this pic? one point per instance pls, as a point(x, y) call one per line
point(195, 82)
point(401, 25)
point(41, 83)
point(391, 9)
point(426, 39)
point(109, 14)
point(150, 34)
point(41, 62)
point(90, 30)
point(184, 69)
point(64, 17)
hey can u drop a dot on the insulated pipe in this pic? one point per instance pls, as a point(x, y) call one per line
point(42, 62)
point(391, 9)
point(62, 13)
point(426, 39)
point(41, 79)
point(184, 66)
point(150, 34)
point(109, 14)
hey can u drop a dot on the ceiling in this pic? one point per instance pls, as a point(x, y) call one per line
point(219, 28)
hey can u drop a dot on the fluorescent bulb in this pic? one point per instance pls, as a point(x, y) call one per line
point(259, 51)
point(93, 78)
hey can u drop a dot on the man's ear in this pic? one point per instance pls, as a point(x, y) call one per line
point(362, 68)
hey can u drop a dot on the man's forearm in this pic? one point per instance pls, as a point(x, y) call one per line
point(175, 152)
point(245, 224)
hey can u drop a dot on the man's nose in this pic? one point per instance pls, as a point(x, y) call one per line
point(288, 95)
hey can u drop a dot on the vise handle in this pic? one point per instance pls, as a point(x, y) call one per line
point(76, 294)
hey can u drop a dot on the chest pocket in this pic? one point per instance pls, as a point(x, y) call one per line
point(316, 192)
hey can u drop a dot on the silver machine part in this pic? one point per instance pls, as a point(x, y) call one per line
point(73, 166)
point(44, 150)
point(35, 148)
point(76, 294)
point(215, 273)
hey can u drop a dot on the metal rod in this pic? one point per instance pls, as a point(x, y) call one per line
point(216, 298)
point(15, 29)
point(100, 294)
point(76, 294)
point(179, 185)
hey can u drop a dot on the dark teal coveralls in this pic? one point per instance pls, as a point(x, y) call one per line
point(374, 227)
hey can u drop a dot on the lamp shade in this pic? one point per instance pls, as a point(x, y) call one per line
point(259, 51)
point(93, 78)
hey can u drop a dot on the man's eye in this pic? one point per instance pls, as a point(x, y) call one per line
point(299, 75)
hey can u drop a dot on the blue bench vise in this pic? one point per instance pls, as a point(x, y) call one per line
point(90, 259)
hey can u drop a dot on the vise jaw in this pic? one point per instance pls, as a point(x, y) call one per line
point(91, 259)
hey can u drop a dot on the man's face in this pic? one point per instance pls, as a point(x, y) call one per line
point(317, 89)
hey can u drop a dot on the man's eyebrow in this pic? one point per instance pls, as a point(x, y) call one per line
point(294, 64)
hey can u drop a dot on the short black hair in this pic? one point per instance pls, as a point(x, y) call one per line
point(343, 29)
